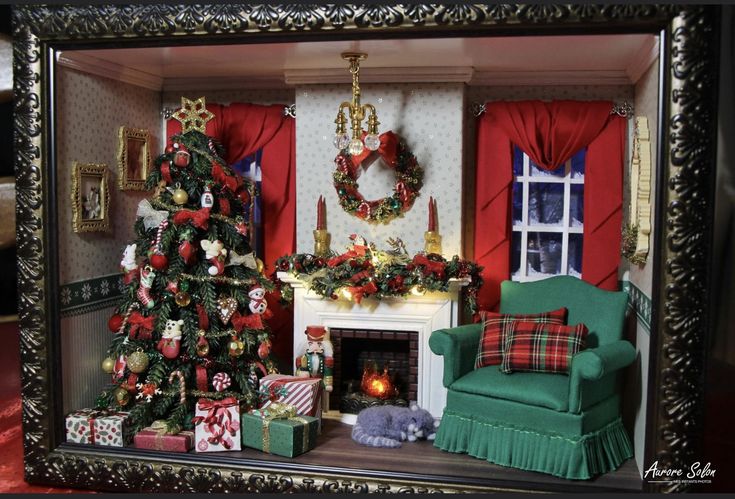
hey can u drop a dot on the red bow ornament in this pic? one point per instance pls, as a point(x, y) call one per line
point(199, 218)
point(229, 182)
point(141, 327)
point(358, 292)
point(430, 266)
point(252, 321)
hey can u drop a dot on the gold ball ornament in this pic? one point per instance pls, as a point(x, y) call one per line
point(180, 196)
point(137, 362)
point(108, 365)
point(182, 299)
point(259, 265)
point(122, 396)
point(236, 347)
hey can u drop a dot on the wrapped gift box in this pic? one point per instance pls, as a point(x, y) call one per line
point(155, 438)
point(302, 393)
point(217, 425)
point(91, 426)
point(283, 437)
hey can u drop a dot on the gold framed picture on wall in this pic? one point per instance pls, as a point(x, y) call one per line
point(90, 197)
point(133, 158)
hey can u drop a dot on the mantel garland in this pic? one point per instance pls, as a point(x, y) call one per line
point(409, 180)
point(363, 271)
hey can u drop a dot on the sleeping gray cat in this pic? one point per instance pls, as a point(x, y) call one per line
point(388, 425)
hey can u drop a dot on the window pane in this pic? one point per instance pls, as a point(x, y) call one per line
point(574, 256)
point(517, 161)
point(545, 203)
point(544, 254)
point(537, 171)
point(578, 163)
point(576, 205)
point(517, 203)
point(515, 256)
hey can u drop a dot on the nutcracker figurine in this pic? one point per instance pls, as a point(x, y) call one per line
point(318, 359)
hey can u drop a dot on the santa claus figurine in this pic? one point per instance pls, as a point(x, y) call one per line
point(318, 359)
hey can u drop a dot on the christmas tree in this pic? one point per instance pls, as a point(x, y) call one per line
point(190, 324)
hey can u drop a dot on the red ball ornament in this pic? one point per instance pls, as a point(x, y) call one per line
point(169, 149)
point(115, 322)
point(159, 261)
point(182, 158)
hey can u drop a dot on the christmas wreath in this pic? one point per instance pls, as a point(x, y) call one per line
point(363, 271)
point(409, 180)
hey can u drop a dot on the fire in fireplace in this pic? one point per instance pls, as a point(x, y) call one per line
point(373, 368)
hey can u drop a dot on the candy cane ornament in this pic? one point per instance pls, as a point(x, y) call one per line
point(182, 385)
point(158, 260)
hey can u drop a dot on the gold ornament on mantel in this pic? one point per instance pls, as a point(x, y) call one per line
point(193, 115)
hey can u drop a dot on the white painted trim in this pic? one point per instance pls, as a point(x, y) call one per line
point(380, 75)
point(260, 81)
point(548, 78)
point(92, 65)
point(647, 55)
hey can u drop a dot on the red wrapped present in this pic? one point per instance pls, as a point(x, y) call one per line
point(302, 393)
point(155, 437)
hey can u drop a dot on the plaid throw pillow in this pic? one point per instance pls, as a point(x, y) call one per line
point(495, 326)
point(547, 348)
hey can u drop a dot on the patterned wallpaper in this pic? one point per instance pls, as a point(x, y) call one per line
point(428, 116)
point(90, 110)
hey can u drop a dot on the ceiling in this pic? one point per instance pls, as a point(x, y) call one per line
point(615, 58)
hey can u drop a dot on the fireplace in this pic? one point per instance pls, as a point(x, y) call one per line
point(414, 316)
point(356, 350)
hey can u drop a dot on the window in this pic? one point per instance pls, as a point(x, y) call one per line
point(548, 217)
point(249, 167)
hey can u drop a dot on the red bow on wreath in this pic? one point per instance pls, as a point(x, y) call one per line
point(141, 327)
point(218, 420)
point(430, 266)
point(388, 149)
point(199, 218)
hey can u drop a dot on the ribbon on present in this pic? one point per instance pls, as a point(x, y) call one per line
point(276, 410)
point(218, 421)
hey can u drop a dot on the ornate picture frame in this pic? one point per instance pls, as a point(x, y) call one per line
point(133, 158)
point(90, 197)
point(684, 203)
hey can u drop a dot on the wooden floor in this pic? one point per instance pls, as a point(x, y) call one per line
point(336, 450)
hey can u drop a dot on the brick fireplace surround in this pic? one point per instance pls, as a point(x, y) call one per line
point(419, 314)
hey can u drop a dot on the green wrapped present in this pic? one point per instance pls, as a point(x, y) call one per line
point(278, 430)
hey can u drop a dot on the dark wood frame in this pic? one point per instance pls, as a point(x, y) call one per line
point(684, 216)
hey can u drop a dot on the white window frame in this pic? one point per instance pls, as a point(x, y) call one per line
point(565, 229)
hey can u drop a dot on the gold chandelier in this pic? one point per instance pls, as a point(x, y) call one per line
point(354, 143)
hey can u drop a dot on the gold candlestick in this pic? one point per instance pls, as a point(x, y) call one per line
point(432, 242)
point(322, 239)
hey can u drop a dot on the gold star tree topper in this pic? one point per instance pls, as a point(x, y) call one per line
point(193, 115)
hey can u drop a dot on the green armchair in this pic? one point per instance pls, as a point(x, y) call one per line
point(565, 425)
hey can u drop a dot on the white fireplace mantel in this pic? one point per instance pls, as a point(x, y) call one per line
point(422, 314)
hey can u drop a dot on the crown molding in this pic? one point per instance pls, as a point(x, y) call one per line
point(92, 65)
point(571, 77)
point(443, 74)
point(268, 81)
point(646, 56)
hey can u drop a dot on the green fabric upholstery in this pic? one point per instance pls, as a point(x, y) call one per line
point(459, 347)
point(565, 425)
point(538, 389)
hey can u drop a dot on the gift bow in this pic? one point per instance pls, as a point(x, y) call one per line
point(199, 218)
point(430, 266)
point(218, 420)
point(141, 327)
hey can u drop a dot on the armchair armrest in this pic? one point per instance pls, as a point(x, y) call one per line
point(593, 365)
point(459, 347)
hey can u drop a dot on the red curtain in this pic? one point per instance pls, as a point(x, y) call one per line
point(550, 133)
point(243, 129)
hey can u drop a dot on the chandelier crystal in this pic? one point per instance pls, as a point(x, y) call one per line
point(358, 112)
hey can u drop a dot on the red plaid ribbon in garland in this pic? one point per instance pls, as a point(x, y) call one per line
point(495, 328)
point(547, 348)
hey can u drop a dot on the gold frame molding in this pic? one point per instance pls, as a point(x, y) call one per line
point(79, 172)
point(124, 135)
point(684, 211)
